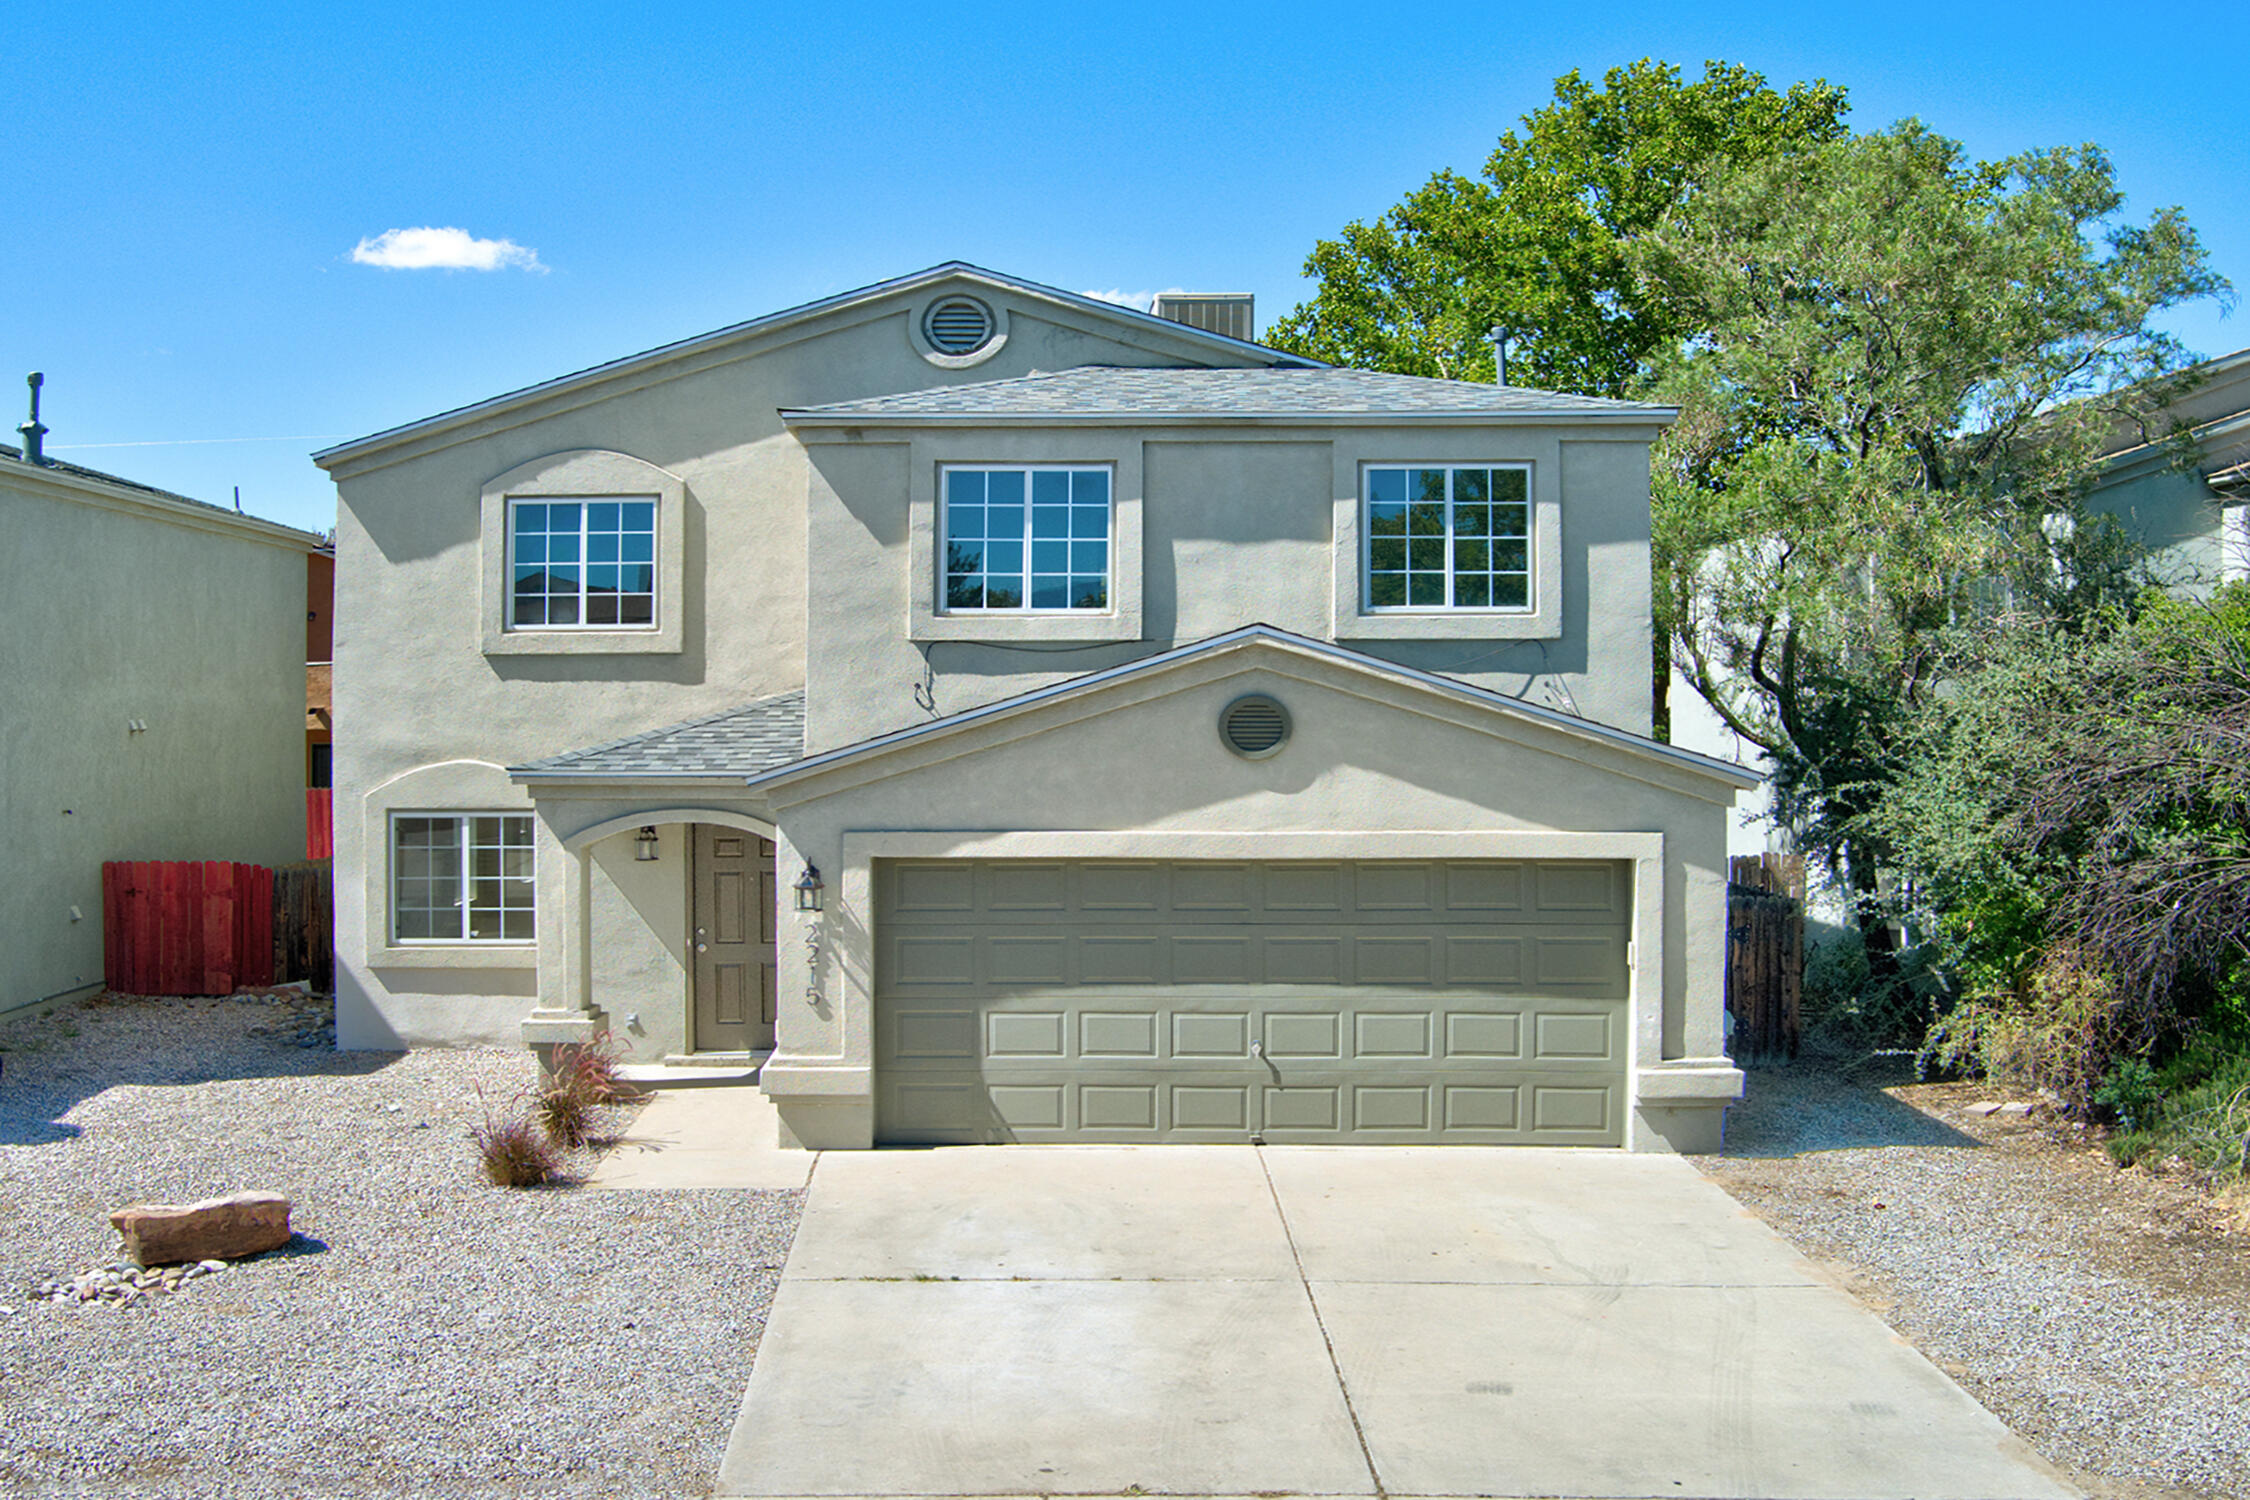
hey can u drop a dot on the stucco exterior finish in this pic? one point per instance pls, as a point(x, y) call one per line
point(122, 607)
point(806, 558)
point(1374, 769)
point(415, 542)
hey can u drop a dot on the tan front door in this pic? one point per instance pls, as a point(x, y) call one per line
point(733, 940)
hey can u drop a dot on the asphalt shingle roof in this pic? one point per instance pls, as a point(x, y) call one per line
point(1108, 390)
point(744, 741)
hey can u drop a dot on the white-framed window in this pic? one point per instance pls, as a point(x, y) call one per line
point(1448, 536)
point(585, 563)
point(463, 878)
point(1025, 538)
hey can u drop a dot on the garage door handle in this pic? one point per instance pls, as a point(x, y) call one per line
point(1257, 1049)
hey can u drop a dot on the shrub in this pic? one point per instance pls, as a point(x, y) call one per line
point(2205, 1123)
point(564, 1114)
point(2062, 1032)
point(515, 1153)
point(590, 1071)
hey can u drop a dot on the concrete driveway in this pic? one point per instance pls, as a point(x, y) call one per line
point(1330, 1321)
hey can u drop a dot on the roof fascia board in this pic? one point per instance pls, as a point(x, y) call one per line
point(2153, 458)
point(1149, 669)
point(60, 484)
point(1654, 421)
point(562, 782)
point(604, 376)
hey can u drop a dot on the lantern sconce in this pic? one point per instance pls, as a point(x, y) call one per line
point(809, 888)
point(644, 844)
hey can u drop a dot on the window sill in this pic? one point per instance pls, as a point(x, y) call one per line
point(1450, 625)
point(1060, 629)
point(658, 642)
point(457, 956)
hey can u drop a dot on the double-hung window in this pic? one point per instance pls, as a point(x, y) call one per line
point(586, 564)
point(1449, 537)
point(462, 878)
point(1025, 537)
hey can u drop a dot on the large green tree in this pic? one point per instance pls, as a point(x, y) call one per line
point(1537, 243)
point(1905, 366)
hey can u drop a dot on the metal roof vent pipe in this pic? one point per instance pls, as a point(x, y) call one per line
point(34, 430)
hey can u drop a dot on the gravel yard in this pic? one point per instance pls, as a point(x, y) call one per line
point(426, 1334)
point(2104, 1315)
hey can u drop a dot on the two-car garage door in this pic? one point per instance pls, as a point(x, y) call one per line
point(1345, 1001)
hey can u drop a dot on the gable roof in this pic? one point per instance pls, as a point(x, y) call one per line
point(762, 744)
point(1271, 637)
point(732, 743)
point(1192, 393)
point(1218, 343)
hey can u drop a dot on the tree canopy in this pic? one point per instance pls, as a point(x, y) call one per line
point(1905, 364)
point(1537, 243)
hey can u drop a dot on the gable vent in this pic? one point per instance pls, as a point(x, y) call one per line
point(1254, 726)
point(957, 325)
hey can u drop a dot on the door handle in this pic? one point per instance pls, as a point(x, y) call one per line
point(702, 931)
point(703, 947)
point(1257, 1048)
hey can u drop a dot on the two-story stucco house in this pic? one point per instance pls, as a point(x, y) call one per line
point(1031, 719)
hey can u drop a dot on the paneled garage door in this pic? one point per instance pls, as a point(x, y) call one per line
point(1410, 1002)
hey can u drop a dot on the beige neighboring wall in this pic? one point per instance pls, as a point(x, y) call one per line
point(418, 688)
point(1374, 768)
point(126, 606)
point(1216, 528)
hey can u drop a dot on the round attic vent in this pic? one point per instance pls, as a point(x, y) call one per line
point(1254, 726)
point(957, 325)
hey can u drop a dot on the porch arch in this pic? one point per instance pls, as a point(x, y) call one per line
point(578, 841)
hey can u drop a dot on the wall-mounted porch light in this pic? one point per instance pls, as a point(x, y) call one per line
point(644, 844)
point(809, 889)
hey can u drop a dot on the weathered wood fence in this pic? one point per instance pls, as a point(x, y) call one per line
point(1765, 952)
point(304, 924)
point(320, 822)
point(208, 927)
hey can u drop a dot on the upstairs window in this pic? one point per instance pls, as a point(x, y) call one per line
point(1025, 538)
point(586, 564)
point(1455, 537)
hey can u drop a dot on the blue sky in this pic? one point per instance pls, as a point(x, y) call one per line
point(187, 183)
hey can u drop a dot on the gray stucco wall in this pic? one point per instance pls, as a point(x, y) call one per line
point(121, 609)
point(1231, 531)
point(416, 689)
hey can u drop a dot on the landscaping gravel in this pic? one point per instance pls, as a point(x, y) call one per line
point(425, 1334)
point(2104, 1315)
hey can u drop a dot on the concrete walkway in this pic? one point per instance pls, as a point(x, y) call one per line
point(711, 1137)
point(1330, 1321)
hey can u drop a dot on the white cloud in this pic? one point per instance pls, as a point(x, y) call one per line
point(429, 249)
point(1139, 301)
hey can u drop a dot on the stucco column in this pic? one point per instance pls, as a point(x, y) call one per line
point(566, 1011)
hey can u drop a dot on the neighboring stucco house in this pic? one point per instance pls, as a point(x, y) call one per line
point(2191, 518)
point(1174, 739)
point(152, 686)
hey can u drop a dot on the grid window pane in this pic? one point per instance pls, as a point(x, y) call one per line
point(1448, 538)
point(1033, 537)
point(463, 878)
point(585, 564)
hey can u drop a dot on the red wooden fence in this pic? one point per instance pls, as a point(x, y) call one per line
point(186, 927)
point(320, 822)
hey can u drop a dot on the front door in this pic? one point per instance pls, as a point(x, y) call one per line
point(733, 940)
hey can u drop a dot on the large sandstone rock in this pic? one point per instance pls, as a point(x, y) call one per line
point(162, 1234)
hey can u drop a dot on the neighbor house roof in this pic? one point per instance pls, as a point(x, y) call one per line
point(1218, 343)
point(1194, 394)
point(58, 475)
point(732, 743)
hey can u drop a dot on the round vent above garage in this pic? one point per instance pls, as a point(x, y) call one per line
point(957, 325)
point(1254, 726)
